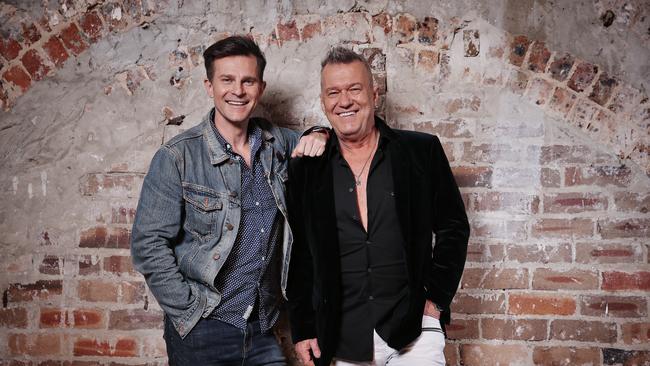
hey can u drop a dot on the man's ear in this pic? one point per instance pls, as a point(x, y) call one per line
point(208, 87)
point(262, 87)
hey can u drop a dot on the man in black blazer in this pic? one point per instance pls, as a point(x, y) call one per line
point(366, 285)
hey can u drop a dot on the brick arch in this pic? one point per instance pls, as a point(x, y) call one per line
point(554, 273)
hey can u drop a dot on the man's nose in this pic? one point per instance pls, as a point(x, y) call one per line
point(238, 89)
point(345, 100)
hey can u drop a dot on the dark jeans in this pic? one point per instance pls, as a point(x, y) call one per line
point(215, 343)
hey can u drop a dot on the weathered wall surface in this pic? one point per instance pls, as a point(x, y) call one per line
point(541, 106)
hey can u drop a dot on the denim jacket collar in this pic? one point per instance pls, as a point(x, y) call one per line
point(217, 153)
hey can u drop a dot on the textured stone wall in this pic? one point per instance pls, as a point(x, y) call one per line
point(541, 107)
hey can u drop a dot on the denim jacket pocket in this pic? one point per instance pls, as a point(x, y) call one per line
point(203, 208)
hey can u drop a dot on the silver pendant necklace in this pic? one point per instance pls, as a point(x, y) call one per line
point(357, 177)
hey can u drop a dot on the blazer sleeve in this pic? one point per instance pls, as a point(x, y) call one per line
point(451, 228)
point(300, 281)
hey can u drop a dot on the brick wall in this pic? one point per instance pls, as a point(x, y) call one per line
point(550, 150)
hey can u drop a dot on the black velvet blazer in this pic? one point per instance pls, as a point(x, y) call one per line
point(427, 200)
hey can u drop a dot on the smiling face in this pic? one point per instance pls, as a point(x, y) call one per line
point(235, 88)
point(348, 99)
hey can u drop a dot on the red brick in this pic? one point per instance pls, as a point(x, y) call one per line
point(122, 347)
point(485, 252)
point(517, 82)
point(539, 56)
point(566, 356)
point(30, 33)
point(383, 21)
point(34, 64)
point(519, 47)
point(56, 51)
point(132, 292)
point(288, 31)
point(498, 229)
point(17, 76)
point(462, 329)
point(562, 154)
point(13, 318)
point(465, 104)
point(471, 42)
point(122, 215)
point(575, 279)
point(632, 202)
point(603, 89)
point(97, 291)
point(88, 265)
point(135, 319)
point(51, 265)
point(584, 331)
point(428, 31)
point(405, 26)
point(616, 281)
point(540, 305)
point(351, 28)
point(582, 115)
point(617, 357)
point(562, 101)
point(114, 23)
point(35, 345)
point(613, 306)
point(624, 228)
point(540, 91)
point(451, 354)
point(134, 8)
point(540, 253)
point(490, 153)
point(574, 202)
point(448, 128)
point(561, 66)
point(467, 176)
point(636, 333)
point(550, 178)
point(110, 183)
point(583, 76)
point(92, 25)
point(9, 48)
point(494, 278)
point(599, 175)
point(608, 253)
point(493, 354)
point(119, 265)
point(100, 237)
point(562, 228)
point(72, 39)
point(53, 318)
point(376, 58)
point(509, 329)
point(42, 289)
point(310, 30)
point(483, 303)
point(427, 60)
point(88, 318)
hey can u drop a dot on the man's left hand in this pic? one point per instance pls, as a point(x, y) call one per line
point(311, 145)
point(430, 310)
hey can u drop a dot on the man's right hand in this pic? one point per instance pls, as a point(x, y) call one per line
point(303, 348)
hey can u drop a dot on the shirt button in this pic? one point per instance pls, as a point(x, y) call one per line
point(371, 297)
point(263, 258)
point(369, 269)
point(368, 242)
point(257, 203)
point(216, 256)
point(261, 230)
point(229, 226)
point(351, 189)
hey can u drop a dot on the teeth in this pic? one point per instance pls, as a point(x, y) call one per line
point(345, 114)
point(236, 103)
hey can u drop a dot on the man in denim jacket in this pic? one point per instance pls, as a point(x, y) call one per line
point(211, 233)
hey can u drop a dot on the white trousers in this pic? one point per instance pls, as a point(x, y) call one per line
point(427, 349)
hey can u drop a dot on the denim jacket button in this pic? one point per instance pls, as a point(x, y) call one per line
point(216, 256)
point(233, 194)
point(229, 226)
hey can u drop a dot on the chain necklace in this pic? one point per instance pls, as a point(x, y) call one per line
point(357, 177)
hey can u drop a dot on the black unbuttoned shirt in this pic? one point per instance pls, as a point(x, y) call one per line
point(373, 269)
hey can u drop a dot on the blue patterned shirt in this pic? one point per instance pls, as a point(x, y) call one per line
point(249, 277)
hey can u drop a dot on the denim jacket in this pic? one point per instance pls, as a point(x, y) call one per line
point(188, 217)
